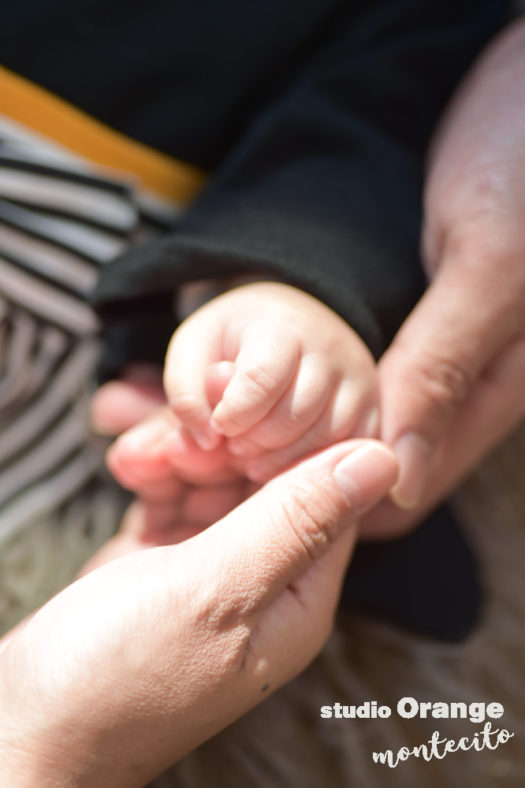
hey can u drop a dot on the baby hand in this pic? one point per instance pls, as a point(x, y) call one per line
point(273, 372)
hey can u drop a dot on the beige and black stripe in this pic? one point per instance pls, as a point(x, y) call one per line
point(64, 214)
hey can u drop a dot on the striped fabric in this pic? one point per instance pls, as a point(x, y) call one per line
point(61, 220)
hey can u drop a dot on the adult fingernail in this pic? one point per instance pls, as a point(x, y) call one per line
point(415, 457)
point(196, 418)
point(366, 475)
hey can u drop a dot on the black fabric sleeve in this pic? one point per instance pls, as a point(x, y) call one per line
point(324, 190)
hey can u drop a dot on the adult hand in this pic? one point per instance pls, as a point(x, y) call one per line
point(122, 403)
point(180, 495)
point(146, 657)
point(454, 377)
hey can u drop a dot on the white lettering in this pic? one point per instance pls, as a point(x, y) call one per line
point(407, 708)
point(440, 748)
point(495, 710)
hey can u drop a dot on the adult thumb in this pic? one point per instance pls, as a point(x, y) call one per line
point(291, 522)
point(431, 367)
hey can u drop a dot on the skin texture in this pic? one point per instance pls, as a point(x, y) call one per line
point(273, 372)
point(452, 381)
point(142, 659)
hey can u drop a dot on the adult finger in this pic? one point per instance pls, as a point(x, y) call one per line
point(428, 372)
point(120, 404)
point(496, 401)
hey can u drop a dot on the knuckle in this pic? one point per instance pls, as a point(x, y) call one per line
point(289, 421)
point(225, 622)
point(241, 402)
point(444, 382)
point(311, 516)
point(259, 381)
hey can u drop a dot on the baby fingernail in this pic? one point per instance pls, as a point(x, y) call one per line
point(415, 456)
point(366, 475)
point(184, 405)
point(215, 420)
